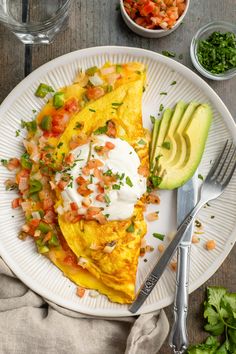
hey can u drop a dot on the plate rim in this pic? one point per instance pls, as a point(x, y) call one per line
point(191, 77)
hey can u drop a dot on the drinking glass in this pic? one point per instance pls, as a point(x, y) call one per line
point(34, 21)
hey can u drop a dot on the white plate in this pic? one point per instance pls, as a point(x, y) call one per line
point(35, 270)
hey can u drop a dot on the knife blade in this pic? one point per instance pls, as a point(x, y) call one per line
point(186, 200)
point(157, 271)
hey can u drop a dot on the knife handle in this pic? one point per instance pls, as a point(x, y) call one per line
point(178, 339)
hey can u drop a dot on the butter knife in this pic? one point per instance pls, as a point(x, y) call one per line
point(186, 200)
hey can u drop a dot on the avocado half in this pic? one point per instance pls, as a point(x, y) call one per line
point(178, 143)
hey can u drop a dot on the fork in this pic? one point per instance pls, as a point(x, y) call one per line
point(213, 186)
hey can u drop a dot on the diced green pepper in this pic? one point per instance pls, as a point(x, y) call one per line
point(35, 186)
point(25, 161)
point(35, 197)
point(46, 123)
point(58, 99)
point(43, 90)
point(53, 241)
point(91, 71)
point(43, 227)
point(42, 248)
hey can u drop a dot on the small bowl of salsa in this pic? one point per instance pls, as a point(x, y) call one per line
point(153, 18)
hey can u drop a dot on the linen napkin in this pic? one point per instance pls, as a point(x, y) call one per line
point(31, 325)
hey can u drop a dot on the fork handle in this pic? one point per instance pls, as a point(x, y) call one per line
point(178, 339)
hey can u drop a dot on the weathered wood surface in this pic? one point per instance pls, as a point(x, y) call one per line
point(97, 22)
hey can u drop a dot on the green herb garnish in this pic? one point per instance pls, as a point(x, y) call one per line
point(173, 83)
point(43, 90)
point(107, 199)
point(163, 93)
point(17, 132)
point(116, 104)
point(60, 145)
point(101, 130)
point(200, 176)
point(130, 228)
point(152, 118)
point(92, 110)
point(30, 126)
point(91, 71)
point(78, 125)
point(217, 53)
point(168, 54)
point(159, 236)
point(142, 142)
point(128, 181)
point(116, 186)
point(4, 162)
point(161, 107)
point(219, 312)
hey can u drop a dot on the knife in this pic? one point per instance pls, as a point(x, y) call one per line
point(186, 200)
point(157, 271)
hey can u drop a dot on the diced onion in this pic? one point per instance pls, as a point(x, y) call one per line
point(96, 80)
point(37, 233)
point(60, 210)
point(93, 293)
point(109, 70)
point(82, 262)
point(26, 206)
point(23, 184)
point(36, 215)
point(25, 228)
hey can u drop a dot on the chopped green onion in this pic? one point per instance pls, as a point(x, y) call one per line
point(107, 199)
point(159, 236)
point(173, 83)
point(101, 130)
point(152, 118)
point(161, 107)
point(163, 93)
point(92, 110)
point(155, 180)
point(115, 186)
point(117, 104)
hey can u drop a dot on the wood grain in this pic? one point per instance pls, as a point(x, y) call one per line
point(12, 54)
point(94, 23)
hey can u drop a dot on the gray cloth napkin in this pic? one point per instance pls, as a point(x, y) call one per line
point(31, 325)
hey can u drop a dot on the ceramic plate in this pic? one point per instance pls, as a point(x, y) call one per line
point(42, 276)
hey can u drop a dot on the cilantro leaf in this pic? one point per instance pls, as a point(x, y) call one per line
point(215, 295)
point(211, 315)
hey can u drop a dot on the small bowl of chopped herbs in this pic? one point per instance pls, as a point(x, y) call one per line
point(213, 50)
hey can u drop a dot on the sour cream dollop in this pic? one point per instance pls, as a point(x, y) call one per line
point(122, 161)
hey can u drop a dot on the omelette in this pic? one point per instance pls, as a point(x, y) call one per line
point(86, 175)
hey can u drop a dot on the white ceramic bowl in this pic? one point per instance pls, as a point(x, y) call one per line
point(150, 33)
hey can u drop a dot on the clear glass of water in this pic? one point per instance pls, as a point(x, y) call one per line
point(34, 21)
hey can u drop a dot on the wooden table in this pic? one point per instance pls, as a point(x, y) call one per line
point(98, 22)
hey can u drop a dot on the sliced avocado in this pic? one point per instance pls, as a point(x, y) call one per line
point(154, 137)
point(194, 134)
point(169, 145)
point(180, 141)
point(163, 127)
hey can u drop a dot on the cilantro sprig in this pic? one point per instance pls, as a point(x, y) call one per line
point(220, 314)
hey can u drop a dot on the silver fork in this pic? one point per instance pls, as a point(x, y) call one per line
point(213, 186)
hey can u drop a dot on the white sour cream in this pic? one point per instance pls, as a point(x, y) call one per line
point(122, 160)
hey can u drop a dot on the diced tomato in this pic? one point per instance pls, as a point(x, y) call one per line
point(16, 203)
point(94, 163)
point(143, 170)
point(80, 291)
point(153, 198)
point(93, 93)
point(13, 164)
point(21, 173)
point(34, 223)
point(92, 211)
point(80, 180)
point(84, 190)
point(47, 203)
point(111, 129)
point(147, 9)
point(100, 218)
point(72, 216)
point(74, 206)
point(100, 188)
point(69, 159)
point(86, 171)
point(71, 105)
point(100, 198)
point(50, 216)
point(110, 145)
point(70, 260)
point(62, 184)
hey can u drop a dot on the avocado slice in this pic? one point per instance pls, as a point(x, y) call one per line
point(170, 142)
point(193, 131)
point(163, 127)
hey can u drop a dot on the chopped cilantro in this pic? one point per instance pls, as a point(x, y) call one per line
point(17, 132)
point(30, 126)
point(168, 54)
point(130, 228)
point(155, 180)
point(4, 162)
point(173, 83)
point(107, 215)
point(128, 181)
point(107, 173)
point(78, 125)
point(163, 93)
point(117, 104)
point(166, 145)
point(115, 186)
point(92, 110)
point(159, 236)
